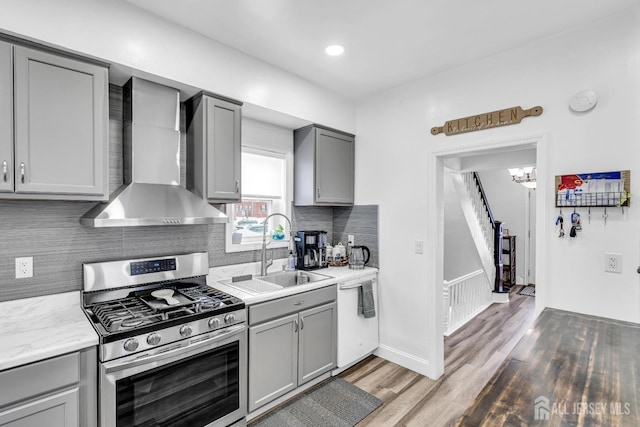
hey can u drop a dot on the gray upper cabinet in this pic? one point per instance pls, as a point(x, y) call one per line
point(6, 117)
point(323, 167)
point(213, 148)
point(61, 122)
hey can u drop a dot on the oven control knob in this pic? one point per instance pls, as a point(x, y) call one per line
point(131, 344)
point(214, 323)
point(229, 318)
point(186, 330)
point(153, 339)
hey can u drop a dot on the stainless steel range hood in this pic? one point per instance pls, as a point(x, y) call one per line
point(152, 194)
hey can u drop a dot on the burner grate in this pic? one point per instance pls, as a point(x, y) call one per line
point(206, 298)
point(125, 314)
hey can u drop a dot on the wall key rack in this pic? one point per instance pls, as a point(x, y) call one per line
point(600, 189)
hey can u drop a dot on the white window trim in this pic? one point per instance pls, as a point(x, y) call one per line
point(282, 152)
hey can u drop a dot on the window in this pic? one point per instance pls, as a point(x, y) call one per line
point(266, 189)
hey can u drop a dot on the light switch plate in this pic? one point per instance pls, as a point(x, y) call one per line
point(419, 246)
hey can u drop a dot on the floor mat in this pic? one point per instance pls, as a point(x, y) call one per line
point(529, 291)
point(335, 403)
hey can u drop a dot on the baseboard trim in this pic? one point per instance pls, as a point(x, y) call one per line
point(500, 297)
point(406, 360)
point(340, 370)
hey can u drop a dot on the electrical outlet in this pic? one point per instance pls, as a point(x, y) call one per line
point(351, 240)
point(613, 262)
point(419, 246)
point(24, 267)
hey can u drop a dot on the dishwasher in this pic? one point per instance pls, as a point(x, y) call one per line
point(357, 336)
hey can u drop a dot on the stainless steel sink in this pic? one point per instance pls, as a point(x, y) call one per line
point(292, 278)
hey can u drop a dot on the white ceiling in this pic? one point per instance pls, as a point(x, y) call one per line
point(388, 42)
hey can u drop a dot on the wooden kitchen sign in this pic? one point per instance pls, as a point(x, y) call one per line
point(494, 119)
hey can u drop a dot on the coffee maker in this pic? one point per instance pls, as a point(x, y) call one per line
point(311, 250)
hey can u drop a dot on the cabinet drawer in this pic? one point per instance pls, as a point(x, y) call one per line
point(56, 410)
point(281, 307)
point(38, 378)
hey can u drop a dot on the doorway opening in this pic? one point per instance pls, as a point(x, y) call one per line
point(468, 157)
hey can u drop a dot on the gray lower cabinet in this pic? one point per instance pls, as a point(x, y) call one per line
point(273, 360)
point(58, 392)
point(323, 167)
point(317, 342)
point(288, 349)
point(53, 126)
point(213, 148)
point(55, 410)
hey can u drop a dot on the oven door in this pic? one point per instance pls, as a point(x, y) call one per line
point(197, 382)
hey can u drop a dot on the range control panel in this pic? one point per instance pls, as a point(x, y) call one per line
point(153, 266)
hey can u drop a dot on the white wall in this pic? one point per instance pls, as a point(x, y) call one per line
point(508, 204)
point(120, 33)
point(393, 137)
point(460, 253)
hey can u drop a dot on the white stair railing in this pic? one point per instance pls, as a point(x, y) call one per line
point(464, 298)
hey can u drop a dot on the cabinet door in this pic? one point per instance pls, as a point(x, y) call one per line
point(57, 410)
point(61, 125)
point(273, 360)
point(223, 150)
point(334, 167)
point(317, 342)
point(6, 118)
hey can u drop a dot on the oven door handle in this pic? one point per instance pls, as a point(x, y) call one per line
point(145, 359)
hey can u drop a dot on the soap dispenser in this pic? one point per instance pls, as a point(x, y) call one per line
point(291, 261)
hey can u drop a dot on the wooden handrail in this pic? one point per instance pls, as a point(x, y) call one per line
point(476, 178)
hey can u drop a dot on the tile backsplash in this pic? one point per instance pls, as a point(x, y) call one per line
point(362, 223)
point(50, 232)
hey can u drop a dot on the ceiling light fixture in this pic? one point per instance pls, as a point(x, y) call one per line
point(334, 50)
point(525, 176)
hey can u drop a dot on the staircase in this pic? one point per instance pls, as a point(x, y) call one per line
point(468, 295)
point(479, 218)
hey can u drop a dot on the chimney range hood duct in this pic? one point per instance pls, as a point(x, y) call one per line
point(152, 194)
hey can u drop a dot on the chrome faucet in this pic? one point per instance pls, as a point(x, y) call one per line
point(264, 263)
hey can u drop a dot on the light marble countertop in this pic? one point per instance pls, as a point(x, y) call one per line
point(38, 328)
point(33, 329)
point(336, 275)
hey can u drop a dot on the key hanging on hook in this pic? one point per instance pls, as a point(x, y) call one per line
point(560, 221)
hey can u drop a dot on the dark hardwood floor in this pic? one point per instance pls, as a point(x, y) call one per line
point(572, 370)
point(472, 355)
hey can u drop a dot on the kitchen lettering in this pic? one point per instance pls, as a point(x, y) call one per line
point(508, 116)
point(482, 121)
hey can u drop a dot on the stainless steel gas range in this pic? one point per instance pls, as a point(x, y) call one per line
point(173, 351)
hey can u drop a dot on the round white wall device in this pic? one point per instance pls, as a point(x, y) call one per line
point(583, 101)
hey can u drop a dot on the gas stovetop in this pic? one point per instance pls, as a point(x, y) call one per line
point(139, 311)
point(122, 302)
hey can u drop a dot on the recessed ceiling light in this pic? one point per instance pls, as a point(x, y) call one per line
point(334, 50)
